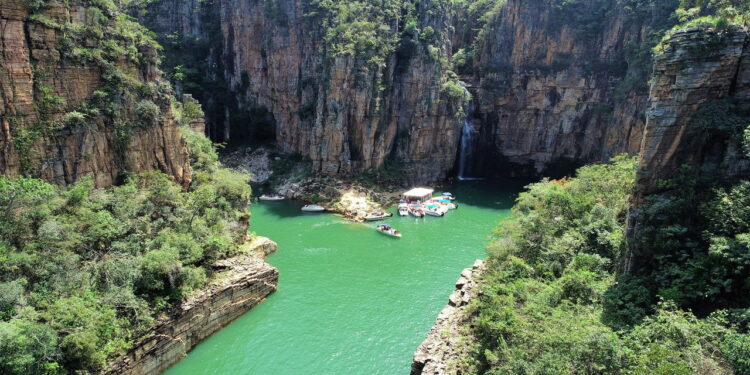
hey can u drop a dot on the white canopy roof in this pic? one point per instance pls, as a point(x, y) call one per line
point(419, 193)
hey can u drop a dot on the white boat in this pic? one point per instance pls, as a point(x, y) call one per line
point(388, 230)
point(271, 197)
point(416, 211)
point(313, 208)
point(403, 209)
point(434, 211)
point(377, 216)
point(444, 203)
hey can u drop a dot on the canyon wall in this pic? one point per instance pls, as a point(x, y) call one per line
point(244, 282)
point(696, 69)
point(698, 108)
point(561, 83)
point(41, 85)
point(289, 82)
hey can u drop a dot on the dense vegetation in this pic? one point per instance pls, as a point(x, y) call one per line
point(553, 303)
point(85, 271)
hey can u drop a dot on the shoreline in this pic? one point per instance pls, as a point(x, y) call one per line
point(243, 282)
point(445, 343)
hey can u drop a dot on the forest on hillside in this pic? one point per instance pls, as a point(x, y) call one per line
point(591, 275)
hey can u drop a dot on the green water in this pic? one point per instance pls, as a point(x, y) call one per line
point(351, 300)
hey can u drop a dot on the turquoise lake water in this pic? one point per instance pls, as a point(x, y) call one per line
point(351, 300)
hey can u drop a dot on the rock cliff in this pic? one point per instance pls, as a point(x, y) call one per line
point(698, 108)
point(244, 282)
point(290, 81)
point(62, 116)
point(441, 352)
point(561, 83)
point(697, 68)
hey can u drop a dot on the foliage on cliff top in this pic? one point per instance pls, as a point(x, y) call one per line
point(372, 30)
point(94, 34)
point(716, 15)
point(84, 271)
point(552, 303)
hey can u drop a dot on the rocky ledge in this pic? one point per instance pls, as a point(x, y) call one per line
point(242, 282)
point(444, 346)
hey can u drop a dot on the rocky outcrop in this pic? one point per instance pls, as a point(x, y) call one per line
point(698, 109)
point(440, 353)
point(696, 68)
point(554, 84)
point(40, 85)
point(244, 282)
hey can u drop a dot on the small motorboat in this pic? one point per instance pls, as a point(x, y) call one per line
point(434, 210)
point(271, 197)
point(372, 216)
point(447, 196)
point(388, 230)
point(403, 209)
point(416, 210)
point(444, 203)
point(313, 208)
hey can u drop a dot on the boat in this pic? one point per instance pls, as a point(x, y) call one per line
point(446, 196)
point(403, 209)
point(271, 197)
point(377, 216)
point(388, 230)
point(313, 208)
point(434, 210)
point(445, 203)
point(416, 210)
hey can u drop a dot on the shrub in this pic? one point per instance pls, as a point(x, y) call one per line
point(147, 113)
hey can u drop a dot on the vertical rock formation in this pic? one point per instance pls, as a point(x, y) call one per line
point(43, 90)
point(696, 68)
point(345, 112)
point(342, 112)
point(554, 82)
point(701, 87)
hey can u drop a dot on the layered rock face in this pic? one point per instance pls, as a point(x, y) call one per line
point(246, 280)
point(35, 138)
point(345, 115)
point(548, 83)
point(701, 82)
point(697, 67)
point(445, 345)
point(343, 111)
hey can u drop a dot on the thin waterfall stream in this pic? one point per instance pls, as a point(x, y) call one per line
point(468, 140)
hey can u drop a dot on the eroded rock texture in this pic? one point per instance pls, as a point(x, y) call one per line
point(339, 109)
point(33, 69)
point(552, 85)
point(245, 282)
point(446, 343)
point(696, 69)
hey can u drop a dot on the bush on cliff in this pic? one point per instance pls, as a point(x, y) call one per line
point(84, 271)
point(553, 304)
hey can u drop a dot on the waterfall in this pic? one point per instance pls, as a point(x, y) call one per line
point(468, 138)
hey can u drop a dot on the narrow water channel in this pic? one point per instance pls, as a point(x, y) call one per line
point(351, 300)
